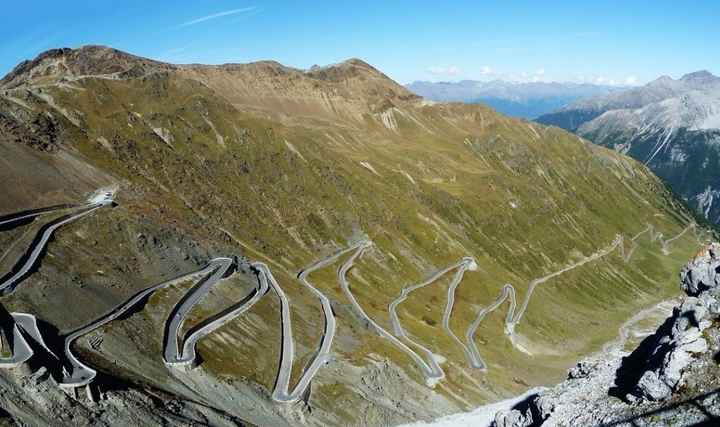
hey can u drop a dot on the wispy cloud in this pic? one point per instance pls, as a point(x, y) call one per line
point(486, 70)
point(631, 81)
point(450, 70)
point(217, 15)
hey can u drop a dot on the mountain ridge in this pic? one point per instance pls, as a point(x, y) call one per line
point(96, 60)
point(285, 170)
point(519, 99)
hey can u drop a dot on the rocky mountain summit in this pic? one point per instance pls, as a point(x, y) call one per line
point(671, 378)
point(582, 111)
point(672, 126)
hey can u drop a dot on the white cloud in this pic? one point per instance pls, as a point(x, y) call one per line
point(631, 80)
point(540, 72)
point(450, 70)
point(600, 80)
point(217, 15)
point(486, 70)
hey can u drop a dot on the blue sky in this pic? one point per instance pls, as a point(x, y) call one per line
point(601, 41)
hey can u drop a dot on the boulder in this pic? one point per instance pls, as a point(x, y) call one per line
point(513, 418)
point(703, 272)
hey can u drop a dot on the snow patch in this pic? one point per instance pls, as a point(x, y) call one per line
point(165, 135)
point(706, 199)
point(369, 167)
point(294, 150)
point(677, 155)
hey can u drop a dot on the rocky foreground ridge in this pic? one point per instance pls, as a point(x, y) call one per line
point(671, 378)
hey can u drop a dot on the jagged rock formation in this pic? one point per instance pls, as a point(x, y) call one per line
point(668, 353)
point(670, 379)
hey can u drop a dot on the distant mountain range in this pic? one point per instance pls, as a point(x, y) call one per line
point(673, 126)
point(525, 100)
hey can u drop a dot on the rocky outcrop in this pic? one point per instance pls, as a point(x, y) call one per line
point(513, 418)
point(69, 64)
point(702, 273)
point(665, 381)
point(673, 352)
point(673, 347)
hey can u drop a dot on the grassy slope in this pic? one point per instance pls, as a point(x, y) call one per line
point(446, 183)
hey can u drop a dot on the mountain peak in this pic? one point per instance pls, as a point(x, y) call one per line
point(357, 62)
point(363, 77)
point(341, 70)
point(83, 61)
point(702, 76)
point(664, 79)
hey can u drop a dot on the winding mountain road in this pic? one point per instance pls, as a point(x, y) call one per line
point(182, 352)
point(507, 292)
point(172, 355)
point(24, 327)
point(514, 316)
point(469, 263)
point(281, 391)
point(26, 263)
point(287, 349)
point(216, 321)
point(33, 213)
point(220, 267)
point(188, 354)
point(20, 349)
point(515, 319)
point(435, 373)
point(81, 374)
point(426, 369)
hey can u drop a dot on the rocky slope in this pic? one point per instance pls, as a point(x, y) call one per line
point(287, 167)
point(673, 126)
point(526, 100)
point(671, 378)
